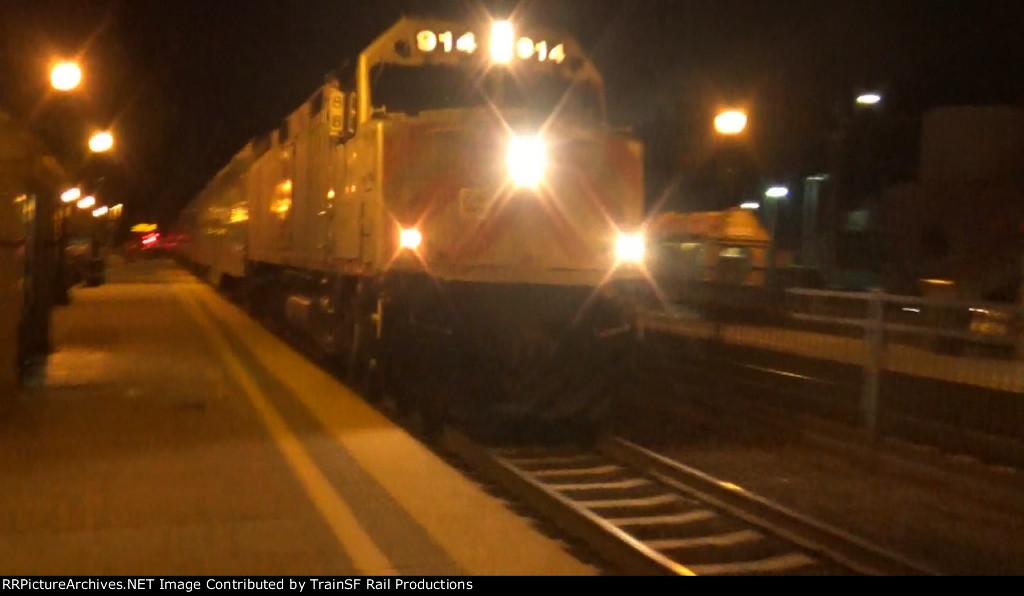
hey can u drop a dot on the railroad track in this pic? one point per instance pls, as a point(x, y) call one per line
point(649, 515)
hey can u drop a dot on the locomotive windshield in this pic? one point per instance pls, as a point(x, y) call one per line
point(414, 89)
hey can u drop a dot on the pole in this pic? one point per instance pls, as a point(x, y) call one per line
point(773, 218)
point(1020, 314)
point(810, 256)
point(38, 343)
point(874, 342)
point(732, 195)
point(833, 198)
point(12, 273)
point(61, 296)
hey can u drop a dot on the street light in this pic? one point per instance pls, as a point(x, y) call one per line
point(750, 206)
point(101, 142)
point(87, 202)
point(731, 122)
point(870, 98)
point(71, 195)
point(777, 192)
point(65, 76)
point(502, 42)
point(100, 212)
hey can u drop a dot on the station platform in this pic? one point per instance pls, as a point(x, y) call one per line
point(169, 434)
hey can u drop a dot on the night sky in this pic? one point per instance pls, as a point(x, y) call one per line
point(186, 83)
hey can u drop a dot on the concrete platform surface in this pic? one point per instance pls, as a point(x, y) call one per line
point(171, 435)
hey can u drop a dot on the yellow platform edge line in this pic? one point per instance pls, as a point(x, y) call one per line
point(350, 419)
point(359, 546)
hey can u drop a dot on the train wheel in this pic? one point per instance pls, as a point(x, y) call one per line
point(410, 374)
point(357, 349)
point(420, 394)
point(365, 363)
point(326, 322)
point(255, 298)
point(431, 417)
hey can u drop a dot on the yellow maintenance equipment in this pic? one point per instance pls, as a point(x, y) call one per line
point(717, 246)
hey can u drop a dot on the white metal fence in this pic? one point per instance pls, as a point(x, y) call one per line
point(959, 346)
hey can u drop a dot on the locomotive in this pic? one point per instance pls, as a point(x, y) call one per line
point(452, 217)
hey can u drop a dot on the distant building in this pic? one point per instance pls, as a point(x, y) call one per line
point(961, 225)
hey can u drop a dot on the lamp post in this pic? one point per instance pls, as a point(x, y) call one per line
point(730, 126)
point(773, 195)
point(838, 177)
point(65, 77)
point(99, 142)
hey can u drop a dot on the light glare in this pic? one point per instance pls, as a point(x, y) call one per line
point(71, 195)
point(750, 206)
point(777, 192)
point(101, 142)
point(524, 48)
point(502, 42)
point(869, 99)
point(65, 76)
point(87, 202)
point(410, 239)
point(100, 212)
point(527, 160)
point(630, 248)
point(731, 122)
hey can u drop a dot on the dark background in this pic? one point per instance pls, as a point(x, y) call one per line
point(185, 84)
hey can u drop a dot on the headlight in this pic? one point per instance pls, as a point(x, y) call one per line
point(502, 42)
point(630, 248)
point(410, 239)
point(527, 160)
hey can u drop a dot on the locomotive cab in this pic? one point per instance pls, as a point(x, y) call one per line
point(510, 214)
point(491, 149)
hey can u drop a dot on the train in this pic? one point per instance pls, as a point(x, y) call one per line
point(451, 218)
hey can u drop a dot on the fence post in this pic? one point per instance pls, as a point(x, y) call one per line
point(1018, 322)
point(874, 333)
point(1018, 330)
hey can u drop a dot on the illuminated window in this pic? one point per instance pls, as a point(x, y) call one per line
point(281, 203)
point(239, 213)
